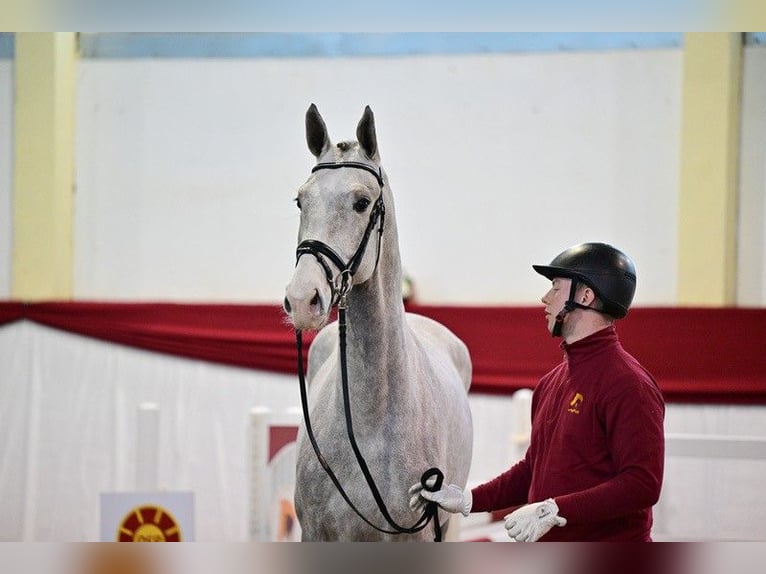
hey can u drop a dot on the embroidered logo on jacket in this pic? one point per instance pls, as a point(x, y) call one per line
point(574, 404)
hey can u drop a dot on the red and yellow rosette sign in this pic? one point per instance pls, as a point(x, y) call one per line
point(149, 523)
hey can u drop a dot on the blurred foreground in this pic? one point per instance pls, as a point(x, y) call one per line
point(447, 558)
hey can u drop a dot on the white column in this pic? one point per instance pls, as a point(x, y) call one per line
point(522, 423)
point(147, 447)
point(259, 476)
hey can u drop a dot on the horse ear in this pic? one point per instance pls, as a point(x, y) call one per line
point(365, 134)
point(316, 132)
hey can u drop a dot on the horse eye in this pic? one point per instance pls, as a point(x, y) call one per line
point(298, 202)
point(361, 204)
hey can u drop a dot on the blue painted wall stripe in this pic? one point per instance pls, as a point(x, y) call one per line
point(6, 45)
point(294, 45)
point(327, 45)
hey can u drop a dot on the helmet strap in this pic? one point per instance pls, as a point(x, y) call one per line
point(570, 305)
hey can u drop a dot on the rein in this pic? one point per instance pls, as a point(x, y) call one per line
point(340, 286)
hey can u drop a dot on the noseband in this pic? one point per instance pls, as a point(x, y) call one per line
point(341, 284)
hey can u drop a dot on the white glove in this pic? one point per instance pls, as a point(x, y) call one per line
point(451, 498)
point(532, 521)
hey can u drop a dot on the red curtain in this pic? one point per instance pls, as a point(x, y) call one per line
point(696, 354)
point(253, 336)
point(10, 312)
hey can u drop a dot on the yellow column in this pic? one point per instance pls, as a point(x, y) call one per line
point(43, 184)
point(707, 264)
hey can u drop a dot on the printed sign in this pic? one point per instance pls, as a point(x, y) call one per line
point(147, 517)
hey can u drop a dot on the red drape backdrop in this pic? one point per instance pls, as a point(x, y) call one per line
point(697, 354)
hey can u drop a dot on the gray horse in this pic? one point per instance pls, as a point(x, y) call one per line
point(408, 375)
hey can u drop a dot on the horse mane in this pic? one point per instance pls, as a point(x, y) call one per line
point(345, 146)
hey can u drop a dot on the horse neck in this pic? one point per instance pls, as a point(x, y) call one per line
point(376, 332)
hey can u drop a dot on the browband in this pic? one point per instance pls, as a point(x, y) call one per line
point(355, 164)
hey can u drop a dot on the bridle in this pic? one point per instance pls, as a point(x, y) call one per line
point(340, 286)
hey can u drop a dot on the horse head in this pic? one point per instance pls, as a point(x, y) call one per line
point(341, 221)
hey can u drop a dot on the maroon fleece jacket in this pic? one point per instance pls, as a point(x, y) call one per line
point(597, 445)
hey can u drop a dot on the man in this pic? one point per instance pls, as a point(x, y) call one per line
point(594, 466)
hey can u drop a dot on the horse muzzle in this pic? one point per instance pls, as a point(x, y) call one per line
point(308, 296)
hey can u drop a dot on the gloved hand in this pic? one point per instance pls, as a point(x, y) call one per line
point(451, 498)
point(532, 521)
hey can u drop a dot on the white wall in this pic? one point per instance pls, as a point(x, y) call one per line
point(187, 168)
point(68, 413)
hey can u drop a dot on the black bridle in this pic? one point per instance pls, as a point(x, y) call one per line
point(340, 286)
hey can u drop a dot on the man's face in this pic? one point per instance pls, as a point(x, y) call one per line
point(555, 298)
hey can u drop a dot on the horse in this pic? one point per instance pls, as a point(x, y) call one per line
point(407, 375)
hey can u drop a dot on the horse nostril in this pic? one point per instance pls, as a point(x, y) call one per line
point(287, 305)
point(315, 298)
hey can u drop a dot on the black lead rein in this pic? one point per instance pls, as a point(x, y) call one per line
point(431, 510)
point(317, 248)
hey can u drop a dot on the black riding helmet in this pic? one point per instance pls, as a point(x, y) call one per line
point(607, 270)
